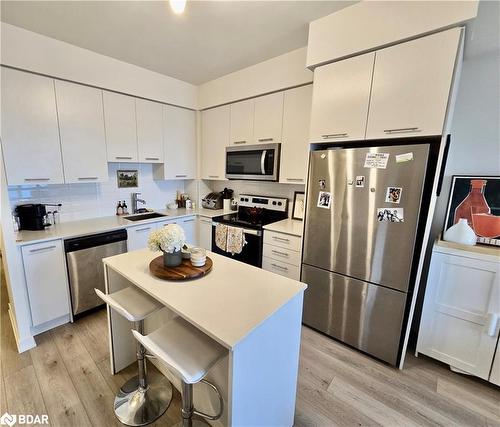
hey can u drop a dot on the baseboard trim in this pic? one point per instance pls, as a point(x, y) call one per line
point(24, 344)
point(51, 324)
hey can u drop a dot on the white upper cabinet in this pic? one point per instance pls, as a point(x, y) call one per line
point(411, 86)
point(242, 122)
point(121, 131)
point(268, 118)
point(214, 139)
point(30, 134)
point(81, 124)
point(149, 131)
point(295, 143)
point(341, 96)
point(179, 135)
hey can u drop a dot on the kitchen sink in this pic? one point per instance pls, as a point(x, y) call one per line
point(141, 217)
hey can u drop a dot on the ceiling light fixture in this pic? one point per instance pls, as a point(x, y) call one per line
point(178, 6)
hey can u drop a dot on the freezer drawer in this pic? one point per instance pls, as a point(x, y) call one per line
point(366, 316)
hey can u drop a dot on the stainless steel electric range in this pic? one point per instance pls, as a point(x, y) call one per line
point(253, 213)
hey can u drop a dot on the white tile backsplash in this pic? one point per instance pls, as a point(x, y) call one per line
point(263, 188)
point(90, 200)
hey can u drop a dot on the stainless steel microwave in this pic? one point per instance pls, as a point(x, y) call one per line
point(253, 162)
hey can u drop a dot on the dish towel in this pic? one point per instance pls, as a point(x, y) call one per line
point(221, 236)
point(235, 240)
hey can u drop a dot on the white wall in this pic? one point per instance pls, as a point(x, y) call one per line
point(475, 129)
point(91, 200)
point(277, 73)
point(33, 52)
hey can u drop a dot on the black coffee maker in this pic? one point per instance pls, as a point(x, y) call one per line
point(31, 216)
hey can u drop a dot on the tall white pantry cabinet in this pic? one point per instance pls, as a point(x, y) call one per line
point(461, 314)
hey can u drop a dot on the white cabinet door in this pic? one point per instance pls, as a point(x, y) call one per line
point(137, 237)
point(45, 272)
point(268, 118)
point(149, 131)
point(179, 142)
point(214, 139)
point(341, 95)
point(81, 124)
point(205, 232)
point(121, 130)
point(242, 120)
point(411, 86)
point(459, 323)
point(295, 141)
point(188, 224)
point(30, 133)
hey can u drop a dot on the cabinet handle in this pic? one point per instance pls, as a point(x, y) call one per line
point(152, 158)
point(265, 139)
point(213, 176)
point(36, 179)
point(492, 324)
point(402, 130)
point(143, 229)
point(334, 135)
point(279, 267)
point(87, 178)
point(180, 176)
point(43, 249)
point(239, 142)
point(280, 253)
point(295, 179)
point(123, 158)
point(281, 239)
point(188, 220)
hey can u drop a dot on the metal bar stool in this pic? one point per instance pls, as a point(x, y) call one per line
point(189, 354)
point(142, 399)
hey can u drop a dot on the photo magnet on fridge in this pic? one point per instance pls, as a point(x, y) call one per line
point(393, 195)
point(360, 181)
point(322, 184)
point(390, 215)
point(324, 200)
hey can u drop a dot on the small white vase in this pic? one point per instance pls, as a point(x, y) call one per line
point(461, 232)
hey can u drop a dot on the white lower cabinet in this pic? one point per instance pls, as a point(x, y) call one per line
point(188, 224)
point(281, 254)
point(138, 236)
point(461, 314)
point(46, 280)
point(205, 232)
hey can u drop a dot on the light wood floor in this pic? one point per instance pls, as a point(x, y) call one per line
point(67, 377)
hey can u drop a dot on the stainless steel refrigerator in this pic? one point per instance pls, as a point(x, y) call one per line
point(361, 224)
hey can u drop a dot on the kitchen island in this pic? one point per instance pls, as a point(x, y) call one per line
point(256, 315)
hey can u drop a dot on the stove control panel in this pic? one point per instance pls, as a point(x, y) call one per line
point(271, 203)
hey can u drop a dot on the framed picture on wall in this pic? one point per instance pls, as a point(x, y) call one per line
point(128, 178)
point(477, 199)
point(299, 199)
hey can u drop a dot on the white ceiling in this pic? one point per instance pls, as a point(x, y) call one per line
point(211, 38)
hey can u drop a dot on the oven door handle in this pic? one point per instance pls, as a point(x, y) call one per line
point(245, 230)
point(263, 162)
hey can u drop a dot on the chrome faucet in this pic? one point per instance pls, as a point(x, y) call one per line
point(135, 201)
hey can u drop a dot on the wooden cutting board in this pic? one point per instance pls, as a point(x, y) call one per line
point(185, 271)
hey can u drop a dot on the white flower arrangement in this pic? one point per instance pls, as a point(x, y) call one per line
point(170, 238)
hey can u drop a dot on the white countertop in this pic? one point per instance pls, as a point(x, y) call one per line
point(226, 304)
point(286, 226)
point(70, 229)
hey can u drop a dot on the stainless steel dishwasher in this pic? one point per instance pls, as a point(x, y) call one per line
point(85, 269)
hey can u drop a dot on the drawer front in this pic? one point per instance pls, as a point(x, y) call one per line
point(281, 268)
point(282, 240)
point(282, 254)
